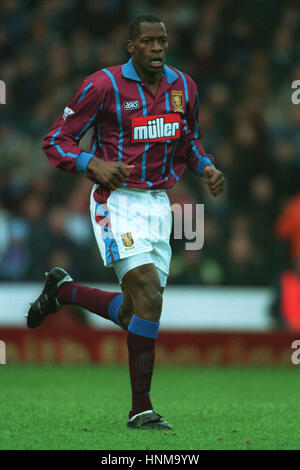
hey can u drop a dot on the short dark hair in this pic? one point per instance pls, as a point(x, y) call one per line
point(134, 25)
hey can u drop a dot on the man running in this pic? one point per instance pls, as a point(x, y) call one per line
point(144, 117)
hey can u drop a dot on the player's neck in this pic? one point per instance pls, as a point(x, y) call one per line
point(151, 80)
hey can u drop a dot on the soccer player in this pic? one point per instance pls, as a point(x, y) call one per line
point(144, 117)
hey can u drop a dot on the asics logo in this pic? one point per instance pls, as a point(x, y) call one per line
point(131, 104)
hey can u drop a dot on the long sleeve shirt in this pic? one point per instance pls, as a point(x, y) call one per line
point(158, 134)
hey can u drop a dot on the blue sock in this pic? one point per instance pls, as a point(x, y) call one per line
point(114, 309)
point(141, 327)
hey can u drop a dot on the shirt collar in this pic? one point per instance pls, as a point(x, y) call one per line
point(129, 71)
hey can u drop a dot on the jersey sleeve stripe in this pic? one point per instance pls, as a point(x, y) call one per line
point(58, 147)
point(89, 123)
point(84, 92)
point(119, 113)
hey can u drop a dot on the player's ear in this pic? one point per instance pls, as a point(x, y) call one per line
point(130, 46)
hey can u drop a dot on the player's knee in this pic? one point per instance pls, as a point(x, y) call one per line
point(152, 301)
point(143, 286)
point(148, 300)
point(150, 308)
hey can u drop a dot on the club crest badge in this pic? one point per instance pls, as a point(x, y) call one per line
point(127, 240)
point(177, 99)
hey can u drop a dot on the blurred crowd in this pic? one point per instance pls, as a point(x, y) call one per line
point(243, 55)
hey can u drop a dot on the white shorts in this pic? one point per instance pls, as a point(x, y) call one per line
point(133, 228)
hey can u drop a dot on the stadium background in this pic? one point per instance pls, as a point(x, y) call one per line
point(223, 303)
point(243, 56)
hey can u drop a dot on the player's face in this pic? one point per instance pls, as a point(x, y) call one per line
point(149, 50)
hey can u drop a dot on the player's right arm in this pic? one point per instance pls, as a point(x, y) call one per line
point(61, 145)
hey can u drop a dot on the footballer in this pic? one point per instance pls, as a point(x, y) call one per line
point(144, 116)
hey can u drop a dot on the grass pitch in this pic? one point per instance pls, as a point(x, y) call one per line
point(86, 407)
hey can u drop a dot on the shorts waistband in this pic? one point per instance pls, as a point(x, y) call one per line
point(141, 190)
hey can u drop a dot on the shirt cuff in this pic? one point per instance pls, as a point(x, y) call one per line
point(202, 164)
point(82, 161)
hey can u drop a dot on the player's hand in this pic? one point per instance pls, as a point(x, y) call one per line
point(111, 174)
point(214, 180)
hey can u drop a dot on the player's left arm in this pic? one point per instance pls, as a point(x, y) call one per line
point(198, 160)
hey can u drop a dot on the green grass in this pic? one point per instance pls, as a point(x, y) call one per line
point(85, 407)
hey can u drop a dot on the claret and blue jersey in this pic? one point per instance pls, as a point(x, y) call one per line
point(158, 134)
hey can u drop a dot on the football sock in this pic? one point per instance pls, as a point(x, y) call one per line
point(141, 350)
point(103, 303)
